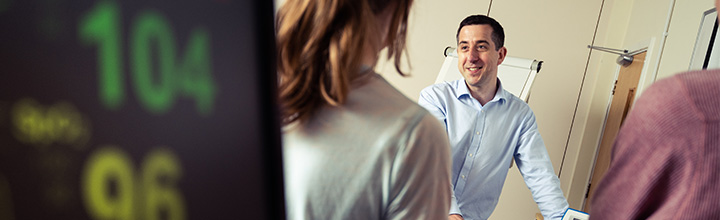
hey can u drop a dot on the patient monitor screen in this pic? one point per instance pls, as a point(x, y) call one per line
point(138, 110)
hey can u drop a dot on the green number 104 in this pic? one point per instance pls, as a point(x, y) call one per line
point(189, 75)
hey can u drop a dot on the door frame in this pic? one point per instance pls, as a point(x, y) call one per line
point(647, 77)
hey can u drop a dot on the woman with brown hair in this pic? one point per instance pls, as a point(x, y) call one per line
point(354, 146)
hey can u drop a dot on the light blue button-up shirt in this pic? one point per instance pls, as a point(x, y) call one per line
point(484, 139)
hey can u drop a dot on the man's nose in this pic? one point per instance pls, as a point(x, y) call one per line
point(474, 56)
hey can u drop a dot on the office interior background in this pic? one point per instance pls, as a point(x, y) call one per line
point(572, 93)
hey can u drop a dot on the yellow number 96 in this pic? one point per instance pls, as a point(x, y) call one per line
point(111, 165)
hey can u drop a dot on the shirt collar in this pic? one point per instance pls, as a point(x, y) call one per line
point(462, 90)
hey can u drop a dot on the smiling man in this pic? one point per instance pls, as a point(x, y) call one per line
point(487, 127)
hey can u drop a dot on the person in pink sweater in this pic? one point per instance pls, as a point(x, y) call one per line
point(666, 158)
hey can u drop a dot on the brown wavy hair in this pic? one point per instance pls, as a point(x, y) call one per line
point(321, 46)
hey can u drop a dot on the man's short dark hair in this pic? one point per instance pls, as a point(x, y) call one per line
point(498, 34)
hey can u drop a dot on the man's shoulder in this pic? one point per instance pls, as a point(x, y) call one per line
point(515, 104)
point(701, 82)
point(438, 88)
point(441, 89)
point(673, 95)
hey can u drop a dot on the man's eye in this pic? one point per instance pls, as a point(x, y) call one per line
point(464, 47)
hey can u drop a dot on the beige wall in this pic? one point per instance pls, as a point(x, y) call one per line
point(683, 30)
point(571, 93)
point(432, 27)
point(615, 14)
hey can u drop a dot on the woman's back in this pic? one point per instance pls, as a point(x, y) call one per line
point(377, 156)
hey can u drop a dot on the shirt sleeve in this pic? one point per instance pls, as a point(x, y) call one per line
point(536, 168)
point(428, 101)
point(421, 174)
point(454, 209)
point(432, 105)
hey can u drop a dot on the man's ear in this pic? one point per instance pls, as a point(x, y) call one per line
point(501, 55)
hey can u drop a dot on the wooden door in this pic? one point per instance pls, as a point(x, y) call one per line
point(622, 99)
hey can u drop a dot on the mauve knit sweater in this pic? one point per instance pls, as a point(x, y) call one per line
point(666, 158)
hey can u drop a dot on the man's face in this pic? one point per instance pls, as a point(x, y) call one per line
point(477, 55)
